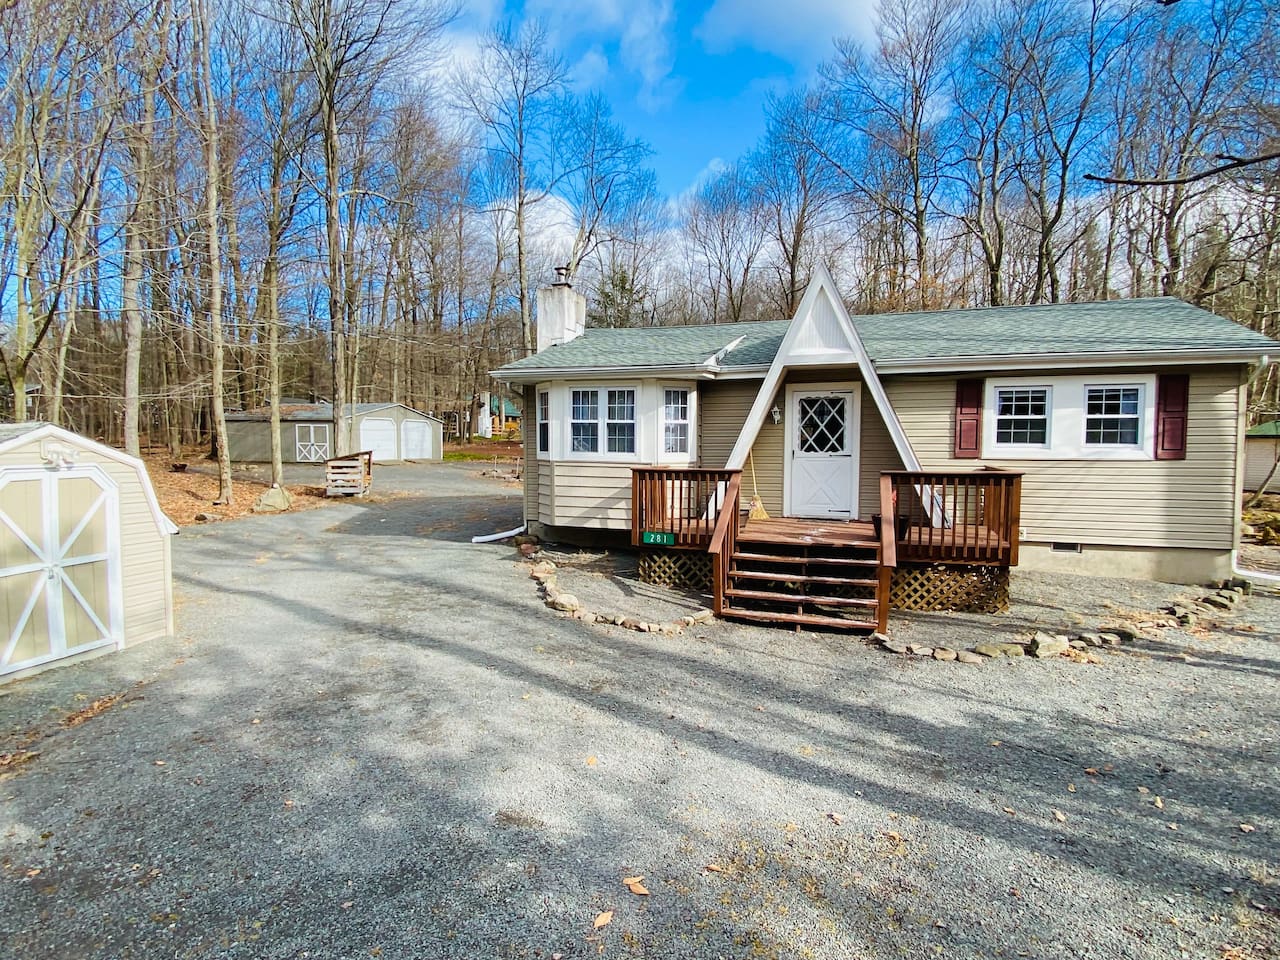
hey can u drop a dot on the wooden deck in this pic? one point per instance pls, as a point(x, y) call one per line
point(800, 532)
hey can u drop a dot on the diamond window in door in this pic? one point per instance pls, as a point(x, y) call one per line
point(58, 583)
point(822, 424)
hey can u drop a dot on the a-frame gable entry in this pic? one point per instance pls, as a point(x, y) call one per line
point(821, 334)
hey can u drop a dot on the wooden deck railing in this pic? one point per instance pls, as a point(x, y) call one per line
point(888, 551)
point(677, 507)
point(724, 541)
point(962, 517)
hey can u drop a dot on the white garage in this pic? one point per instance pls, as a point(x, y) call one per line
point(392, 431)
point(378, 434)
point(84, 550)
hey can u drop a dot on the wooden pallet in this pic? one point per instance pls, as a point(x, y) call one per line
point(349, 476)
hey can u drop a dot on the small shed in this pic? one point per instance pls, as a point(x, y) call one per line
point(84, 550)
point(392, 431)
point(1261, 450)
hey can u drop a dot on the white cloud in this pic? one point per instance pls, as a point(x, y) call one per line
point(591, 68)
point(641, 29)
point(799, 31)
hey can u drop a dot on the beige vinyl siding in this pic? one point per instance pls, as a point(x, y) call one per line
point(596, 495)
point(878, 455)
point(1259, 457)
point(722, 409)
point(145, 563)
point(1173, 503)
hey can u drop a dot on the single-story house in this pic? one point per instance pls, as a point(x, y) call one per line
point(1261, 451)
point(1107, 437)
point(85, 567)
point(392, 431)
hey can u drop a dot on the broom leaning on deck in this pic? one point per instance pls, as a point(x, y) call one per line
point(756, 509)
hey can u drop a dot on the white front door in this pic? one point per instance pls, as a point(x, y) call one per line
point(821, 475)
point(60, 588)
point(379, 435)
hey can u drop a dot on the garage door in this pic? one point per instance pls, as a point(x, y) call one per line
point(415, 440)
point(379, 436)
point(59, 565)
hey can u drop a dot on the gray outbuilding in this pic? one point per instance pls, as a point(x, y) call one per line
point(392, 431)
point(84, 550)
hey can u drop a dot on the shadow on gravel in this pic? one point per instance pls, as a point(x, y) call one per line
point(449, 519)
point(1027, 769)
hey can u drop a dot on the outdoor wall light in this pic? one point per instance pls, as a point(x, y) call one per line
point(776, 414)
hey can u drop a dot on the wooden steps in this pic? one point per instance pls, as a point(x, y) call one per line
point(806, 573)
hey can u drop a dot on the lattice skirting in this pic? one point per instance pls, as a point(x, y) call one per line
point(968, 588)
point(690, 569)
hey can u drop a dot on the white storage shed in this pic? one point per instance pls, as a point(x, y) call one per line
point(84, 550)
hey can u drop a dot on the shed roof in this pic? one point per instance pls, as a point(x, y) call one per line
point(11, 431)
point(1271, 429)
point(1154, 326)
point(322, 412)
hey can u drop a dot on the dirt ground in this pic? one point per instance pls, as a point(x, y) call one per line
point(482, 449)
point(183, 495)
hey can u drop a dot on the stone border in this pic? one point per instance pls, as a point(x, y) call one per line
point(544, 572)
point(1226, 595)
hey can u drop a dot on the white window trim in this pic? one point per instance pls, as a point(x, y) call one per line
point(691, 455)
point(538, 394)
point(1067, 420)
point(602, 453)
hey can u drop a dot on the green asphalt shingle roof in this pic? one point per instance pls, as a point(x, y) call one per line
point(1155, 325)
point(1271, 429)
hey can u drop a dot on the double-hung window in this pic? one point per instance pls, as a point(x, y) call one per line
point(1113, 415)
point(602, 421)
point(1022, 416)
point(675, 421)
point(620, 421)
point(544, 421)
point(584, 421)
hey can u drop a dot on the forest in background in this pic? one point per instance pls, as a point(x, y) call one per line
point(209, 205)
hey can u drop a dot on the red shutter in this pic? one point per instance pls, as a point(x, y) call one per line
point(968, 440)
point(1172, 391)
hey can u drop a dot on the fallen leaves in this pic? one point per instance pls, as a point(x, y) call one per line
point(1071, 788)
point(17, 757)
point(835, 818)
point(635, 885)
point(1247, 828)
point(1008, 810)
point(1158, 803)
point(592, 761)
point(1059, 816)
point(714, 868)
point(602, 920)
point(101, 705)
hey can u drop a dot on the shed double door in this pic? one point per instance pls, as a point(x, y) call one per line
point(60, 585)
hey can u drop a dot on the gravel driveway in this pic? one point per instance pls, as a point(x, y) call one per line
point(371, 739)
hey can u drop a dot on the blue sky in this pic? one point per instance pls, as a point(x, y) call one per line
point(690, 78)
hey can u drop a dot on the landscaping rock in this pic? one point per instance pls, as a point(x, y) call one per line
point(967, 656)
point(207, 517)
point(542, 570)
point(942, 653)
point(631, 623)
point(921, 651)
point(566, 602)
point(1213, 600)
point(1047, 645)
point(703, 616)
point(586, 616)
point(1013, 649)
point(273, 500)
point(895, 646)
point(1110, 639)
point(1091, 639)
point(991, 650)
